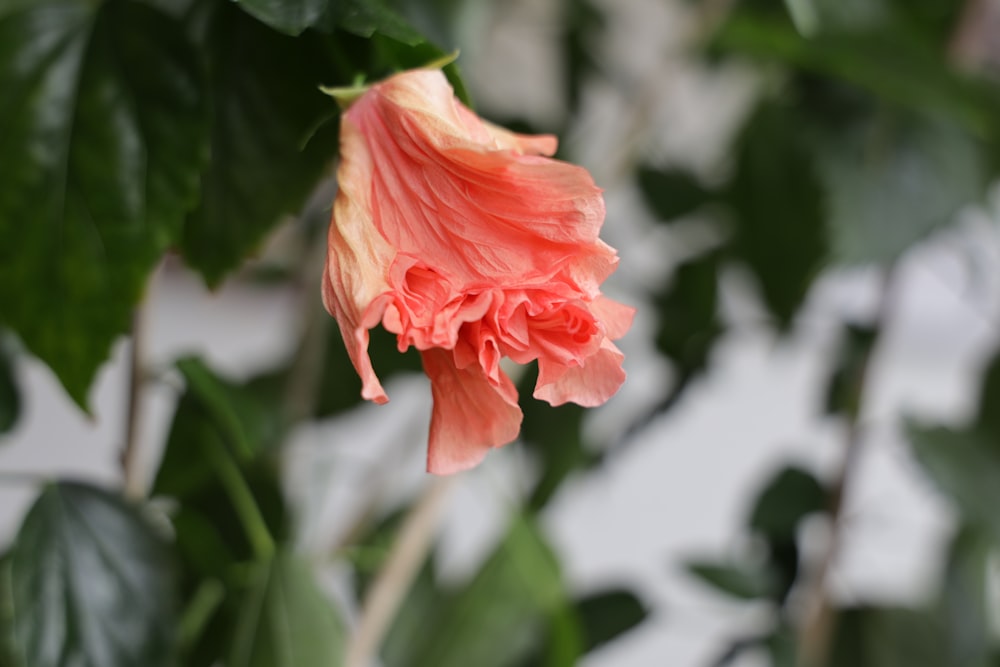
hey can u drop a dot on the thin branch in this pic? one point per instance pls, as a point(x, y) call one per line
point(133, 486)
point(816, 633)
point(394, 579)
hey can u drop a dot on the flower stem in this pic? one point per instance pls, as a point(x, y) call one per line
point(394, 579)
point(817, 632)
point(129, 456)
point(243, 501)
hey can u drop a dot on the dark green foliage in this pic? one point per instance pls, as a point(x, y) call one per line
point(555, 435)
point(673, 193)
point(843, 394)
point(747, 581)
point(889, 637)
point(689, 323)
point(606, 615)
point(965, 465)
point(91, 583)
point(790, 496)
point(584, 20)
point(891, 180)
point(769, 572)
point(777, 202)
point(10, 396)
point(495, 619)
point(340, 387)
point(104, 125)
point(219, 468)
point(271, 136)
point(285, 620)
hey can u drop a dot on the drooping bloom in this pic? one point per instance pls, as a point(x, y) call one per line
point(471, 244)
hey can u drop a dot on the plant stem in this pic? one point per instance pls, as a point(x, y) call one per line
point(129, 457)
point(243, 501)
point(816, 633)
point(394, 579)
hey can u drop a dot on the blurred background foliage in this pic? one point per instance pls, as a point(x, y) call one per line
point(131, 129)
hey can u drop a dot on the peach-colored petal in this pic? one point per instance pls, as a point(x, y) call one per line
point(491, 215)
point(616, 317)
point(357, 261)
point(589, 385)
point(471, 415)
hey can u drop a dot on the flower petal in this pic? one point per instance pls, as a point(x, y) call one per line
point(471, 415)
point(357, 263)
point(461, 194)
point(589, 385)
point(616, 317)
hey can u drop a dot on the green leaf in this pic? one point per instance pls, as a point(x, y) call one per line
point(893, 181)
point(10, 397)
point(673, 193)
point(844, 390)
point(607, 615)
point(367, 17)
point(214, 415)
point(286, 620)
point(218, 465)
point(988, 418)
point(689, 323)
point(889, 65)
point(104, 136)
point(965, 465)
point(889, 637)
point(744, 581)
point(965, 597)
point(791, 495)
point(270, 137)
point(498, 617)
point(584, 23)
point(777, 202)
point(92, 584)
point(288, 16)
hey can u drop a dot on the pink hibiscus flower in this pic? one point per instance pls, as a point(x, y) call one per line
point(470, 244)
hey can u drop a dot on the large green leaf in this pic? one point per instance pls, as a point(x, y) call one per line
point(270, 136)
point(285, 619)
point(494, 620)
point(892, 181)
point(103, 139)
point(91, 583)
point(777, 200)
